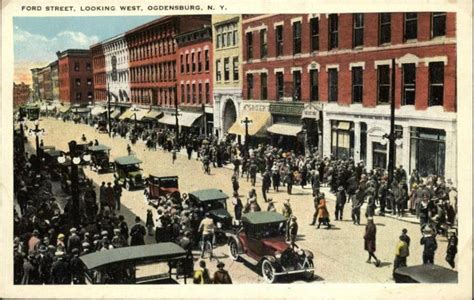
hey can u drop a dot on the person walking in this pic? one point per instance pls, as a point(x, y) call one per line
point(149, 222)
point(110, 196)
point(235, 184)
point(137, 233)
point(117, 194)
point(341, 199)
point(323, 214)
point(238, 206)
point(289, 182)
point(287, 212)
point(357, 201)
point(452, 249)
point(201, 275)
point(402, 251)
point(293, 230)
point(430, 245)
point(221, 276)
point(129, 149)
point(102, 199)
point(369, 240)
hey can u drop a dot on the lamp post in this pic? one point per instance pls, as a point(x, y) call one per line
point(37, 132)
point(134, 108)
point(108, 111)
point(90, 106)
point(21, 121)
point(246, 123)
point(75, 162)
point(176, 114)
point(393, 136)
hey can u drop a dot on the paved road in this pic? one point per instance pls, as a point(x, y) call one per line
point(339, 252)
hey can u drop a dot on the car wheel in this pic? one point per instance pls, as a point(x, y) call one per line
point(127, 186)
point(234, 250)
point(268, 271)
point(308, 275)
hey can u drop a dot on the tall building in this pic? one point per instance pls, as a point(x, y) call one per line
point(342, 63)
point(35, 84)
point(116, 69)
point(98, 72)
point(21, 94)
point(227, 71)
point(75, 76)
point(45, 83)
point(54, 71)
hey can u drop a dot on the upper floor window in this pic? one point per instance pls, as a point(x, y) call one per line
point(88, 66)
point(187, 63)
point(296, 85)
point(249, 40)
point(357, 84)
point(199, 62)
point(314, 85)
point(279, 40)
point(296, 38)
point(182, 63)
point(193, 64)
point(436, 83)
point(235, 64)
point(358, 30)
point(78, 82)
point(279, 85)
point(76, 66)
point(263, 86)
point(333, 31)
point(385, 28)
point(314, 27)
point(383, 79)
point(438, 24)
point(263, 43)
point(226, 69)
point(409, 84)
point(249, 86)
point(411, 26)
point(206, 57)
point(332, 84)
point(218, 70)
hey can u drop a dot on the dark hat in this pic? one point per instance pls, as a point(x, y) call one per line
point(43, 248)
point(220, 265)
point(404, 230)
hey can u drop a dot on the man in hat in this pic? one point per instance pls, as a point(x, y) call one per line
point(117, 194)
point(30, 270)
point(118, 241)
point(102, 198)
point(110, 196)
point(34, 241)
point(44, 261)
point(123, 228)
point(293, 230)
point(149, 222)
point(287, 212)
point(60, 271)
point(430, 245)
point(74, 241)
point(137, 233)
point(402, 251)
point(369, 240)
point(77, 269)
point(221, 276)
point(452, 249)
point(341, 199)
point(207, 228)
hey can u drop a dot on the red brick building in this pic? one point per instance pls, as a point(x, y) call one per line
point(75, 76)
point(194, 74)
point(343, 63)
point(98, 72)
point(21, 94)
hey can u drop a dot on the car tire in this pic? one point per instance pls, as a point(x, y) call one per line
point(308, 275)
point(268, 271)
point(127, 186)
point(234, 250)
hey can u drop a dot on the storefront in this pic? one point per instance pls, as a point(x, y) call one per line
point(312, 123)
point(428, 150)
point(287, 129)
point(257, 116)
point(342, 139)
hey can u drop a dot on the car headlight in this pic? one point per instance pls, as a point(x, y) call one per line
point(219, 225)
point(277, 255)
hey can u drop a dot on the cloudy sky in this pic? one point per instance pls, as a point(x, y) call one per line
point(36, 39)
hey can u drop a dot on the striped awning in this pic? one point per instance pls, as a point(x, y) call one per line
point(259, 122)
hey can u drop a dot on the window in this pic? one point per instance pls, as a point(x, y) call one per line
point(383, 78)
point(76, 66)
point(385, 28)
point(314, 27)
point(78, 82)
point(187, 63)
point(263, 43)
point(279, 85)
point(207, 92)
point(89, 81)
point(88, 66)
point(436, 77)
point(314, 85)
point(235, 36)
point(333, 31)
point(249, 39)
point(182, 93)
point(263, 86)
point(89, 95)
point(411, 26)
point(188, 93)
point(78, 96)
point(358, 30)
point(296, 85)
point(199, 62)
point(200, 92)
point(279, 40)
point(218, 70)
point(438, 24)
point(249, 86)
point(226, 69)
point(235, 64)
point(182, 63)
point(206, 57)
point(427, 151)
point(357, 84)
point(218, 38)
point(193, 65)
point(409, 80)
point(332, 85)
point(223, 39)
point(296, 38)
point(194, 93)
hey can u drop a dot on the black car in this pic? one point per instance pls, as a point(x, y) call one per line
point(425, 274)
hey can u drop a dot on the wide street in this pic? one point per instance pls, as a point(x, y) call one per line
point(339, 252)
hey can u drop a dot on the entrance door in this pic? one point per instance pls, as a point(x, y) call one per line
point(379, 155)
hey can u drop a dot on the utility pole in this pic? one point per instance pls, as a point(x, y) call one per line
point(392, 137)
point(204, 119)
point(246, 122)
point(74, 185)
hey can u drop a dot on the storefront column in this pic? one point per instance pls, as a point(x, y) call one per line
point(326, 137)
point(405, 159)
point(356, 141)
point(450, 171)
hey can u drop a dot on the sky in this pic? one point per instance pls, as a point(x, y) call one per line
point(36, 39)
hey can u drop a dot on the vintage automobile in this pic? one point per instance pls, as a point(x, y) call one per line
point(128, 172)
point(261, 242)
point(102, 126)
point(160, 187)
point(100, 161)
point(425, 274)
point(133, 265)
point(213, 201)
point(50, 162)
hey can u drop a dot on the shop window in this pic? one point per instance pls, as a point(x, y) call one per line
point(358, 30)
point(383, 78)
point(332, 84)
point(385, 28)
point(249, 40)
point(263, 86)
point(218, 70)
point(357, 84)
point(279, 85)
point(333, 31)
point(296, 85)
point(428, 151)
point(411, 26)
point(438, 20)
point(279, 40)
point(436, 79)
point(342, 139)
point(263, 43)
point(314, 27)
point(314, 85)
point(249, 86)
point(226, 69)
point(235, 65)
point(409, 84)
point(296, 38)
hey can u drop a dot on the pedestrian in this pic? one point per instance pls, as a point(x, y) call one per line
point(293, 229)
point(340, 202)
point(110, 196)
point(276, 178)
point(60, 271)
point(357, 201)
point(129, 149)
point(369, 240)
point(287, 212)
point(430, 245)
point(289, 182)
point(452, 249)
point(266, 183)
point(253, 172)
point(102, 199)
point(402, 251)
point(235, 184)
point(201, 275)
point(238, 206)
point(30, 270)
point(149, 222)
point(117, 194)
point(123, 228)
point(173, 154)
point(77, 268)
point(369, 195)
point(221, 276)
point(74, 241)
point(271, 205)
point(137, 233)
point(83, 138)
point(323, 213)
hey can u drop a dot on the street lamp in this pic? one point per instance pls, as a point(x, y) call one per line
point(90, 106)
point(135, 109)
point(37, 132)
point(76, 160)
point(246, 122)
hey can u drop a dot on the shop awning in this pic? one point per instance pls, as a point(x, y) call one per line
point(131, 113)
point(257, 127)
point(187, 119)
point(64, 108)
point(168, 120)
point(152, 114)
point(285, 129)
point(98, 110)
point(115, 114)
point(344, 125)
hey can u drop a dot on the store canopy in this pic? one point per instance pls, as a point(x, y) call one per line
point(257, 127)
point(187, 119)
point(168, 120)
point(132, 113)
point(115, 114)
point(98, 110)
point(152, 114)
point(64, 108)
point(285, 129)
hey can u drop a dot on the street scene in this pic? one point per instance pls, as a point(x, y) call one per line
point(231, 149)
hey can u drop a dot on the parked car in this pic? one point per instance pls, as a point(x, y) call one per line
point(128, 172)
point(161, 187)
point(123, 265)
point(100, 161)
point(425, 274)
point(261, 241)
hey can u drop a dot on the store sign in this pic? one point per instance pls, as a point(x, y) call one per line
point(260, 107)
point(290, 109)
point(312, 110)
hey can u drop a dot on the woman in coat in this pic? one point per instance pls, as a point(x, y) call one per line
point(323, 213)
point(369, 240)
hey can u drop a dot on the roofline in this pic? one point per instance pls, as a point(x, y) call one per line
point(160, 19)
point(71, 52)
point(204, 28)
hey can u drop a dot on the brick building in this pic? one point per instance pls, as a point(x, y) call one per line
point(98, 72)
point(45, 84)
point(342, 63)
point(194, 77)
point(54, 69)
point(35, 93)
point(21, 94)
point(75, 76)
